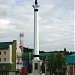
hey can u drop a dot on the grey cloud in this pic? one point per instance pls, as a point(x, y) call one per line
point(55, 23)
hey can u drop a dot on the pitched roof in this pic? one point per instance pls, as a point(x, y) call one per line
point(5, 45)
point(71, 59)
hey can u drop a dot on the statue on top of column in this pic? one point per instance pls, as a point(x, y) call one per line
point(36, 2)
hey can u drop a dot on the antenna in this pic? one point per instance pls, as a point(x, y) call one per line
point(21, 40)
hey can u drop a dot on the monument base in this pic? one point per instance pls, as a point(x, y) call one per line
point(36, 66)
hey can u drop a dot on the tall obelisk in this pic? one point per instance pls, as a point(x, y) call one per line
point(36, 60)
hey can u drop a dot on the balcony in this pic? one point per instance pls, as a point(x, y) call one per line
point(19, 55)
point(19, 62)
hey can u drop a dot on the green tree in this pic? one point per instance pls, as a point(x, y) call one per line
point(65, 50)
point(57, 65)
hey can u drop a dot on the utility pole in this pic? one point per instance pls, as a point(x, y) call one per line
point(36, 60)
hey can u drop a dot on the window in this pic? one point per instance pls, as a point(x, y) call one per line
point(10, 67)
point(4, 59)
point(18, 60)
point(0, 66)
point(4, 67)
point(4, 73)
point(4, 52)
point(36, 65)
point(0, 53)
point(0, 59)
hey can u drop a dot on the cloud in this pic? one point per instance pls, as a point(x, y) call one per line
point(55, 23)
point(4, 24)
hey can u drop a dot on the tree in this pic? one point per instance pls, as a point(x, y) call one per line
point(65, 50)
point(58, 65)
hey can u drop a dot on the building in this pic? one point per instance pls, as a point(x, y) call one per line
point(9, 56)
point(71, 64)
point(18, 58)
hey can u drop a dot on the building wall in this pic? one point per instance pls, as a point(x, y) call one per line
point(74, 68)
point(71, 70)
point(10, 58)
point(7, 73)
point(18, 58)
point(10, 64)
point(6, 56)
point(13, 66)
point(5, 67)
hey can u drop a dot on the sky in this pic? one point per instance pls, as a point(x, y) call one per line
point(56, 23)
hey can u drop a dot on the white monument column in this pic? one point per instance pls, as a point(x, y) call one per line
point(36, 60)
